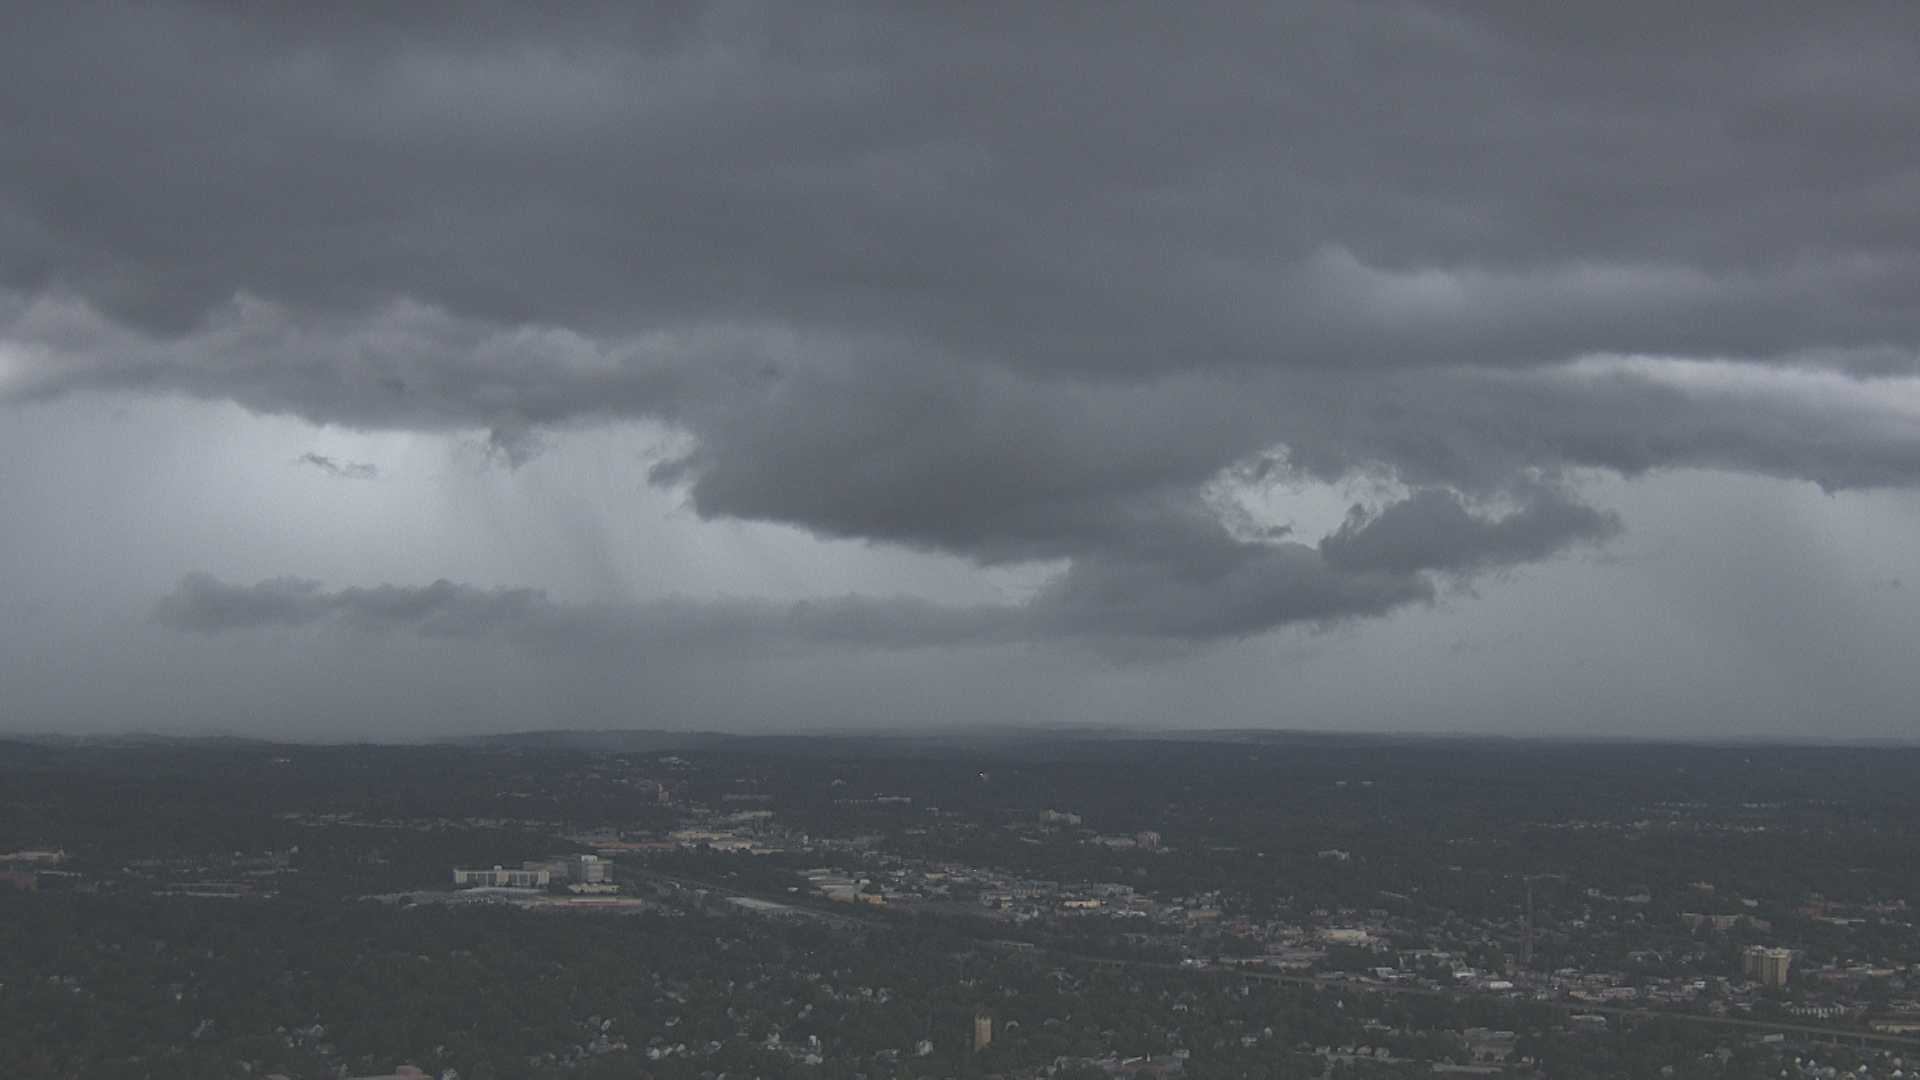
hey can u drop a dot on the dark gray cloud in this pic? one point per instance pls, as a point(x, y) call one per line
point(1481, 430)
point(1385, 185)
point(1227, 590)
point(1020, 285)
point(1138, 605)
point(513, 445)
point(346, 470)
point(1434, 530)
point(206, 605)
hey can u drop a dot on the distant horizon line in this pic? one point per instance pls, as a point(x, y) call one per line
point(988, 733)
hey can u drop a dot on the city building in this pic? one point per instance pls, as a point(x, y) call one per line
point(834, 886)
point(982, 1029)
point(589, 870)
point(716, 839)
point(1767, 966)
point(501, 878)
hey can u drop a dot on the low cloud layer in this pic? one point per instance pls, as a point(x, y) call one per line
point(1176, 581)
point(345, 470)
point(203, 604)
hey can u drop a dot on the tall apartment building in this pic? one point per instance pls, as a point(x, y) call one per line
point(1767, 966)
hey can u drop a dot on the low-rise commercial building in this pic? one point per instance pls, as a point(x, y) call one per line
point(501, 878)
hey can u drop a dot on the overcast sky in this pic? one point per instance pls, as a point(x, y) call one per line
point(1520, 368)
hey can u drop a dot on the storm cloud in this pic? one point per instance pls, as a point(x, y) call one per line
point(1432, 531)
point(1050, 286)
